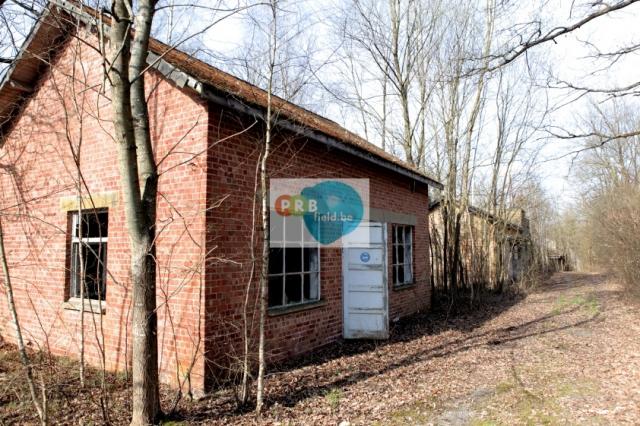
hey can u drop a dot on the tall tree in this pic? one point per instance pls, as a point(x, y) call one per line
point(139, 183)
point(391, 45)
point(264, 198)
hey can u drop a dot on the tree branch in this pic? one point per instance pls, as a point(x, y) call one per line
point(556, 32)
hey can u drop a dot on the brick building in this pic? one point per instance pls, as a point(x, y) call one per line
point(495, 248)
point(207, 131)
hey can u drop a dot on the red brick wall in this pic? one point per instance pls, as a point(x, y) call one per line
point(203, 219)
point(232, 177)
point(36, 239)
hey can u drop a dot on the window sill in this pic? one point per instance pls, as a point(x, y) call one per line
point(284, 310)
point(400, 287)
point(92, 306)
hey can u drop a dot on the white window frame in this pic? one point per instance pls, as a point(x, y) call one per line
point(407, 260)
point(80, 241)
point(296, 244)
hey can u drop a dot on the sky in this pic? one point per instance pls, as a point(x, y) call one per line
point(568, 60)
point(571, 62)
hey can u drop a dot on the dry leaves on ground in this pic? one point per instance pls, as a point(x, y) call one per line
point(568, 353)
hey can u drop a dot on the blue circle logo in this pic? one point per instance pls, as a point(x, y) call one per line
point(338, 210)
point(365, 256)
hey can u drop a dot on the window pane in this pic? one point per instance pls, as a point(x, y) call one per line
point(275, 291)
point(408, 260)
point(93, 258)
point(90, 258)
point(76, 225)
point(394, 254)
point(94, 224)
point(293, 260)
point(75, 271)
point(311, 259)
point(311, 286)
point(276, 227)
point(408, 274)
point(307, 287)
point(102, 253)
point(400, 274)
point(293, 289)
point(93, 271)
point(275, 261)
point(402, 254)
point(408, 254)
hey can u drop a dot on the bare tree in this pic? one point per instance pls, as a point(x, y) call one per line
point(607, 174)
point(139, 182)
point(265, 208)
point(16, 20)
point(535, 33)
point(397, 40)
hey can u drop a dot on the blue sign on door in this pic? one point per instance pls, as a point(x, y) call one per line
point(365, 256)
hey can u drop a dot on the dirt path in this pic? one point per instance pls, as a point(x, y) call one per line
point(568, 354)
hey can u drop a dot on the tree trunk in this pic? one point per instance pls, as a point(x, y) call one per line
point(246, 366)
point(146, 401)
point(82, 283)
point(138, 179)
point(264, 273)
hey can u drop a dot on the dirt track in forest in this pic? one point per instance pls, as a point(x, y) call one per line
point(568, 353)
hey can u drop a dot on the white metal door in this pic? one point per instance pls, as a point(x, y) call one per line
point(365, 298)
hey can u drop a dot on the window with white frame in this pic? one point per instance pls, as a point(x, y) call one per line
point(294, 263)
point(402, 254)
point(89, 236)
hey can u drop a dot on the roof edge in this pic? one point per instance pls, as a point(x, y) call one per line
point(213, 95)
point(491, 217)
point(7, 78)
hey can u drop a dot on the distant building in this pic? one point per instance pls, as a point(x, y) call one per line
point(494, 249)
point(558, 258)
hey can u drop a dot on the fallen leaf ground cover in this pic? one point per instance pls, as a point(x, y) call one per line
point(568, 353)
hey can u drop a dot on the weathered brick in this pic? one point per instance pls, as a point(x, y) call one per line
point(203, 249)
